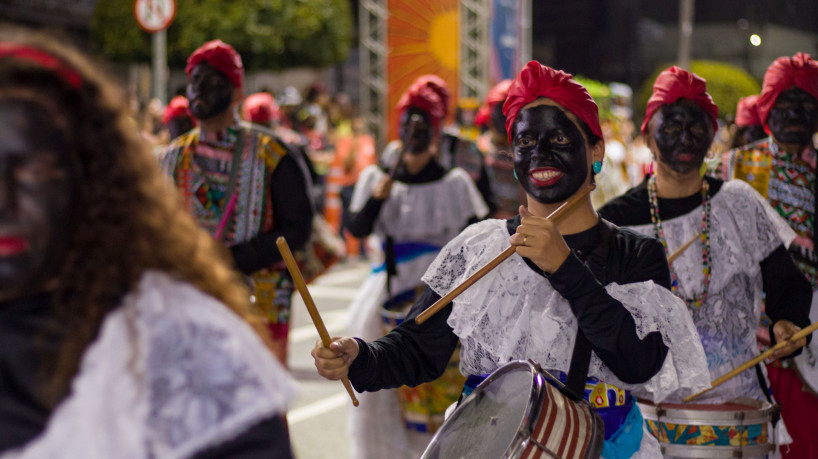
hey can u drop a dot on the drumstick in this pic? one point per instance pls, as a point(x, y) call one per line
point(749, 364)
point(298, 279)
point(678, 252)
point(441, 303)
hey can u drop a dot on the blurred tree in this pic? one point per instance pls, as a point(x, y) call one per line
point(269, 34)
point(726, 84)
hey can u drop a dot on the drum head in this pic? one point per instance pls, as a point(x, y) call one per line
point(495, 419)
point(807, 360)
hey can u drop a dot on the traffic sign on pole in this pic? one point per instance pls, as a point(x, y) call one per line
point(154, 15)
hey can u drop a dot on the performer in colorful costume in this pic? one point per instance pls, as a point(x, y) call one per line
point(414, 215)
point(782, 169)
point(269, 189)
point(123, 331)
point(581, 274)
point(749, 127)
point(740, 253)
point(177, 117)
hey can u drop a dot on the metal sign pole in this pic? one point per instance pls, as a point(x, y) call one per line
point(160, 66)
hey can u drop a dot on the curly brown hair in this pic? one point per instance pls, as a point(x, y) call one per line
point(129, 218)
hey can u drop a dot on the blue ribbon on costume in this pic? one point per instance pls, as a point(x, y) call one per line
point(408, 251)
point(628, 438)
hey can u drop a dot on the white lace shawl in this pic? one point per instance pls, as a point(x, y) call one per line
point(744, 230)
point(172, 373)
point(432, 212)
point(513, 313)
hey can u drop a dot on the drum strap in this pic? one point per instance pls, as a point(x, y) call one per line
point(581, 355)
point(762, 381)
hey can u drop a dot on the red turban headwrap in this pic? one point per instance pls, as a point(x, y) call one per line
point(677, 83)
point(747, 112)
point(221, 57)
point(800, 71)
point(260, 107)
point(178, 106)
point(497, 94)
point(428, 93)
point(536, 80)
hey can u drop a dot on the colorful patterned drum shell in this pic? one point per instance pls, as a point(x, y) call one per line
point(423, 407)
point(735, 429)
point(515, 413)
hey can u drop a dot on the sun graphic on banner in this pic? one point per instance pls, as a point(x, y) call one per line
point(422, 38)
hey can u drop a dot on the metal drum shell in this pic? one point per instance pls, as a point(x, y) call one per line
point(520, 441)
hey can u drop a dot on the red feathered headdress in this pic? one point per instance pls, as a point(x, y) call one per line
point(536, 80)
point(747, 112)
point(428, 93)
point(221, 57)
point(800, 71)
point(677, 83)
point(260, 107)
point(178, 106)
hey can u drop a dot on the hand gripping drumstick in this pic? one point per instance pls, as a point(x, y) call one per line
point(298, 279)
point(678, 252)
point(441, 303)
point(749, 364)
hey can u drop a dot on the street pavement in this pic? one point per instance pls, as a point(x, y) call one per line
point(318, 415)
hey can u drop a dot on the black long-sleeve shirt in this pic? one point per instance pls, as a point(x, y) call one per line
point(412, 354)
point(787, 292)
point(292, 217)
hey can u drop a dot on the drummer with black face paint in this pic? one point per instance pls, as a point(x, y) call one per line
point(739, 254)
point(581, 274)
point(415, 212)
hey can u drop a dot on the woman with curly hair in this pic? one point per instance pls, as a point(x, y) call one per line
point(124, 332)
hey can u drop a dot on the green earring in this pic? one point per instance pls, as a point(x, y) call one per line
point(703, 169)
point(515, 176)
point(597, 167)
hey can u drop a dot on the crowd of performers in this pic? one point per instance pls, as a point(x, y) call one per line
point(145, 307)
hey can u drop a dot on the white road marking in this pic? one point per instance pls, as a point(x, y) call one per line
point(318, 407)
point(335, 321)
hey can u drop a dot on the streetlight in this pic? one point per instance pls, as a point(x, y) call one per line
point(755, 40)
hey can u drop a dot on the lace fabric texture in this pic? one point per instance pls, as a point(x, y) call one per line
point(172, 373)
point(513, 313)
point(432, 212)
point(744, 230)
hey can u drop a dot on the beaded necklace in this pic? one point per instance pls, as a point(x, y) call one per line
point(660, 234)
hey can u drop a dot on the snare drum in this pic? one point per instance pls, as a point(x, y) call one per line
point(423, 407)
point(516, 413)
point(735, 429)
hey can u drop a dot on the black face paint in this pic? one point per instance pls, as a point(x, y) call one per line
point(37, 191)
point(749, 134)
point(550, 155)
point(794, 117)
point(683, 133)
point(415, 130)
point(209, 91)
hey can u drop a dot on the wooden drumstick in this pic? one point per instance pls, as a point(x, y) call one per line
point(678, 252)
point(749, 364)
point(298, 279)
point(505, 254)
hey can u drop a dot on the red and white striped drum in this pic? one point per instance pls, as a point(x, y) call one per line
point(516, 413)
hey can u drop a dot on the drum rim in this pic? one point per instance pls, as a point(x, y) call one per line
point(762, 413)
point(713, 452)
point(517, 443)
